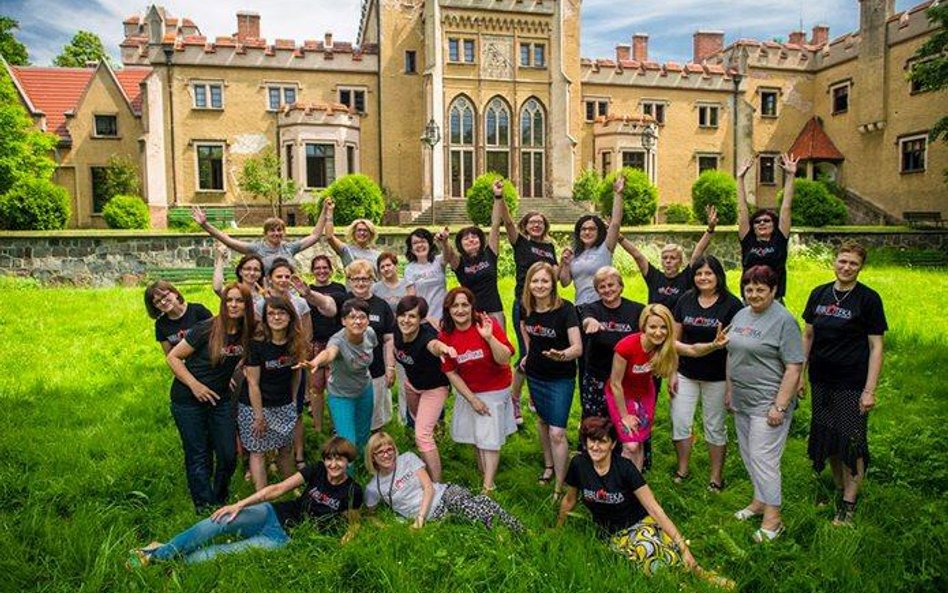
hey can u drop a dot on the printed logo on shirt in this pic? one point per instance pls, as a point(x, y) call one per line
point(603, 496)
point(669, 290)
point(320, 497)
point(542, 253)
point(475, 268)
point(403, 481)
point(374, 318)
point(700, 321)
point(470, 355)
point(747, 331)
point(176, 337)
point(834, 311)
point(280, 363)
point(539, 330)
point(614, 326)
point(404, 357)
point(639, 369)
point(762, 251)
point(232, 350)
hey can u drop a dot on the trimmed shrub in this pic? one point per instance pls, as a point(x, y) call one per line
point(639, 200)
point(480, 198)
point(355, 196)
point(678, 214)
point(586, 186)
point(34, 205)
point(718, 189)
point(815, 205)
point(126, 212)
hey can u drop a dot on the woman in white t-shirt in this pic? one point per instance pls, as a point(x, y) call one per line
point(426, 266)
point(402, 482)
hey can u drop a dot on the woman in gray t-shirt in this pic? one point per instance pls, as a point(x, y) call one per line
point(765, 355)
point(402, 482)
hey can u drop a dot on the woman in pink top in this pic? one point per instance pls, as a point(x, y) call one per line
point(480, 374)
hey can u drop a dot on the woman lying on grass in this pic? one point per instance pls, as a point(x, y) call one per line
point(402, 482)
point(328, 493)
point(623, 506)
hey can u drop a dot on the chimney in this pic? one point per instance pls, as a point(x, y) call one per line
point(797, 37)
point(706, 44)
point(327, 42)
point(821, 34)
point(248, 26)
point(640, 47)
point(623, 50)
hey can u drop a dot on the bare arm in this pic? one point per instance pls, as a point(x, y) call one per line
point(612, 231)
point(353, 518)
point(566, 505)
point(322, 359)
point(706, 237)
point(565, 272)
point(701, 349)
point(324, 304)
point(426, 497)
point(788, 388)
point(640, 260)
point(647, 499)
point(252, 374)
point(175, 360)
point(868, 399)
point(571, 352)
point(306, 323)
point(220, 260)
point(317, 232)
point(271, 492)
point(512, 232)
point(235, 244)
point(388, 353)
point(493, 238)
point(807, 347)
point(743, 216)
point(448, 256)
point(789, 165)
point(461, 387)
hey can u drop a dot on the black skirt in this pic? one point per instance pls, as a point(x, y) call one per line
point(837, 428)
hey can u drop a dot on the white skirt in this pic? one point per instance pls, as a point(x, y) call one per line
point(485, 432)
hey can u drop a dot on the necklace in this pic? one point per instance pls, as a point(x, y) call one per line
point(378, 483)
point(839, 299)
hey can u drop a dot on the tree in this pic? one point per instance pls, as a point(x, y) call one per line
point(930, 67)
point(11, 49)
point(262, 177)
point(83, 48)
point(24, 150)
point(121, 177)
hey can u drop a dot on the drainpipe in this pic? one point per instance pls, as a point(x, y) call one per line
point(169, 54)
point(736, 79)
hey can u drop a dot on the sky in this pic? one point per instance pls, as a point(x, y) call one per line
point(47, 25)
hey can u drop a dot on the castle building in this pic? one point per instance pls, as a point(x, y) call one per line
point(434, 93)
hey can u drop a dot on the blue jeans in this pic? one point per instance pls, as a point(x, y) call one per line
point(257, 525)
point(352, 416)
point(209, 439)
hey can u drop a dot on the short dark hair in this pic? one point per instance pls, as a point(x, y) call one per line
point(759, 275)
point(280, 262)
point(421, 233)
point(339, 447)
point(321, 257)
point(243, 261)
point(716, 267)
point(153, 288)
point(384, 256)
point(354, 304)
point(447, 323)
point(409, 302)
point(597, 428)
point(764, 212)
point(470, 230)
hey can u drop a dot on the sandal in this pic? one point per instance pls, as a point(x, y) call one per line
point(767, 535)
point(716, 487)
point(141, 557)
point(845, 513)
point(488, 490)
point(679, 478)
point(546, 475)
point(745, 514)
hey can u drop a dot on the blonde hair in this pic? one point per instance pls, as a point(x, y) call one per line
point(665, 359)
point(360, 266)
point(350, 232)
point(604, 273)
point(377, 440)
point(676, 248)
point(529, 301)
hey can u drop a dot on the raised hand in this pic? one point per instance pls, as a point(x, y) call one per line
point(442, 235)
point(712, 214)
point(222, 252)
point(485, 326)
point(721, 339)
point(618, 186)
point(299, 285)
point(789, 163)
point(567, 257)
point(198, 215)
point(498, 188)
point(744, 168)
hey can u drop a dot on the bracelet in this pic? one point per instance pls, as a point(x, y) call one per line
point(681, 543)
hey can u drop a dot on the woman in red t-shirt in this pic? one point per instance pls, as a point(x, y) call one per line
point(630, 392)
point(480, 375)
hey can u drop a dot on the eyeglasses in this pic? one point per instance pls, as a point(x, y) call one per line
point(278, 313)
point(165, 300)
point(359, 279)
point(384, 452)
point(763, 221)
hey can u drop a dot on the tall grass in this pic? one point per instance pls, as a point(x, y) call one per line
point(91, 465)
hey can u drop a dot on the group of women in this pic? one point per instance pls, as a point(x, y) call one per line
point(744, 357)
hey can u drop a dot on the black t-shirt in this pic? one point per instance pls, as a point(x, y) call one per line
point(610, 498)
point(217, 378)
point(663, 290)
point(480, 276)
point(382, 320)
point(550, 330)
point(772, 253)
point(320, 499)
point(324, 327)
point(614, 324)
point(276, 373)
point(174, 330)
point(527, 253)
point(840, 351)
point(699, 325)
point(422, 368)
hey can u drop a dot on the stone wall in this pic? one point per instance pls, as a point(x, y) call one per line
point(102, 259)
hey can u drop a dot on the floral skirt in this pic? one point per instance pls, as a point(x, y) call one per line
point(646, 545)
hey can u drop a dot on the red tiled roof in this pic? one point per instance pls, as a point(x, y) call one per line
point(813, 144)
point(54, 91)
point(130, 78)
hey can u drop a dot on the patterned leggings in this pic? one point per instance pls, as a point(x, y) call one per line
point(458, 500)
point(647, 545)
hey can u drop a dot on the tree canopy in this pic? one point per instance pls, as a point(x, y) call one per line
point(84, 47)
point(24, 150)
point(11, 49)
point(930, 67)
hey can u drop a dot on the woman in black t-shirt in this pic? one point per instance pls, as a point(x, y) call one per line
point(203, 363)
point(842, 343)
point(764, 240)
point(700, 316)
point(475, 266)
point(328, 493)
point(173, 316)
point(266, 409)
point(531, 244)
point(622, 505)
point(324, 326)
point(552, 339)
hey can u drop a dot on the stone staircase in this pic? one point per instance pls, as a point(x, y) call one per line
point(454, 211)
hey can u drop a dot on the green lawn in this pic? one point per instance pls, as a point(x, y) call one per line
point(91, 466)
